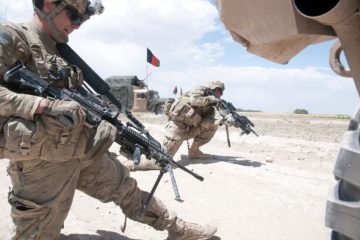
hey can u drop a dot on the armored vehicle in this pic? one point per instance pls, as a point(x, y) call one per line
point(134, 94)
point(279, 29)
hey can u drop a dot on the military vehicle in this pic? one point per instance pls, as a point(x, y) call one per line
point(146, 100)
point(134, 94)
point(279, 29)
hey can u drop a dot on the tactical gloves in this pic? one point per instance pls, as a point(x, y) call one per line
point(229, 120)
point(69, 113)
point(212, 99)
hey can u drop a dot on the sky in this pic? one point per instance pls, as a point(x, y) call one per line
point(193, 47)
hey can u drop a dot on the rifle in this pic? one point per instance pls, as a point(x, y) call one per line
point(129, 137)
point(240, 121)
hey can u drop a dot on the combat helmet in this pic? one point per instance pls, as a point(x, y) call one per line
point(83, 7)
point(81, 10)
point(215, 84)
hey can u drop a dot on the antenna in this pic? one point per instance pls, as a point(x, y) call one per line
point(147, 76)
point(144, 80)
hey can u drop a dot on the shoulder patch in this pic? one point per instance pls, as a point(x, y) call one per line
point(5, 39)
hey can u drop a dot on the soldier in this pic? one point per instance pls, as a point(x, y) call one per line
point(49, 161)
point(194, 115)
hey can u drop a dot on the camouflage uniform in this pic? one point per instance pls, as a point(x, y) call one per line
point(193, 115)
point(49, 161)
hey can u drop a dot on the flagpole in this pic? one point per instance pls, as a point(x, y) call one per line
point(147, 66)
point(147, 70)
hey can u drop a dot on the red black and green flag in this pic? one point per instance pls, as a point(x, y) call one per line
point(152, 59)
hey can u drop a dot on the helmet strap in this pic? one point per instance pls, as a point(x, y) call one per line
point(58, 36)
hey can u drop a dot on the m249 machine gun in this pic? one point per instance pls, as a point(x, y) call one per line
point(132, 138)
point(239, 121)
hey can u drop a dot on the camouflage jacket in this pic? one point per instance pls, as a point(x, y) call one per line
point(37, 51)
point(194, 108)
point(198, 98)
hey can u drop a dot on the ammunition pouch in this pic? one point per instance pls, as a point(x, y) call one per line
point(23, 139)
point(186, 113)
point(45, 139)
point(167, 106)
point(192, 118)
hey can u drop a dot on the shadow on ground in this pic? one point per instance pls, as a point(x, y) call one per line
point(184, 161)
point(102, 235)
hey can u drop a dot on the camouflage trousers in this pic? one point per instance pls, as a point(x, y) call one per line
point(176, 132)
point(43, 191)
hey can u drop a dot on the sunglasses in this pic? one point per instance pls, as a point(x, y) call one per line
point(74, 16)
point(219, 89)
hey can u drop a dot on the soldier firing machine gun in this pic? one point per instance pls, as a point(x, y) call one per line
point(240, 121)
point(225, 108)
point(132, 137)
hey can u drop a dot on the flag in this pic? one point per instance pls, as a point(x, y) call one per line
point(152, 59)
point(175, 90)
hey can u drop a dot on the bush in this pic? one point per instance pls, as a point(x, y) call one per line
point(301, 111)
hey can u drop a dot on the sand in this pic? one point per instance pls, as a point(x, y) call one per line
point(270, 187)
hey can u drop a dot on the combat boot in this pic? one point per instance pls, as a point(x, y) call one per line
point(195, 153)
point(181, 230)
point(143, 165)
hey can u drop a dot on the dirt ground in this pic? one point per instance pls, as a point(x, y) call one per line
point(270, 187)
